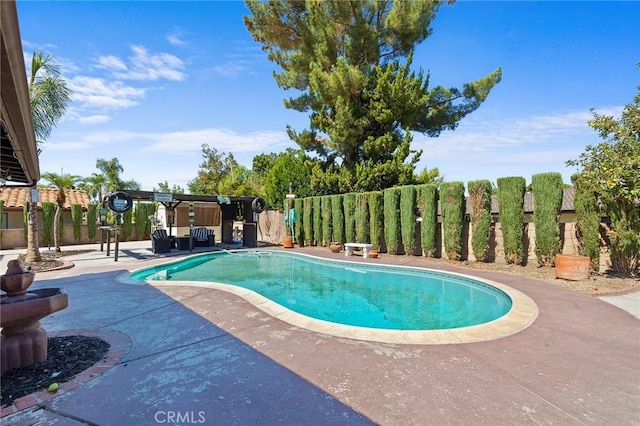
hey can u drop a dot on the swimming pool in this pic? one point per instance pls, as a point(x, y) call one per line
point(347, 296)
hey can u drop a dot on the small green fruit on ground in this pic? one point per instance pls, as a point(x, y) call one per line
point(53, 387)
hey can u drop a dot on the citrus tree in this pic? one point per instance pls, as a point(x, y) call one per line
point(612, 170)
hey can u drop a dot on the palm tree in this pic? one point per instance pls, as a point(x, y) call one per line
point(111, 170)
point(49, 96)
point(94, 185)
point(61, 182)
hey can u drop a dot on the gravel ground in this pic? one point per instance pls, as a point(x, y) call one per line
point(596, 285)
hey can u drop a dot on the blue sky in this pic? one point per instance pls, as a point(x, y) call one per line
point(153, 81)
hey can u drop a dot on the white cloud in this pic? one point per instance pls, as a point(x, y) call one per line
point(94, 119)
point(144, 65)
point(232, 69)
point(222, 139)
point(112, 63)
point(476, 134)
point(98, 93)
point(175, 39)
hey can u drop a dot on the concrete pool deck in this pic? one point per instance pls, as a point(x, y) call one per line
point(199, 355)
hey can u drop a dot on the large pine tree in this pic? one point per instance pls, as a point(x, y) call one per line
point(350, 62)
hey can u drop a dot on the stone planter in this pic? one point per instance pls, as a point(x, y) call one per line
point(335, 247)
point(287, 241)
point(572, 267)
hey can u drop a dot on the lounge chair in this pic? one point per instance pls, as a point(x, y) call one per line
point(160, 242)
point(203, 237)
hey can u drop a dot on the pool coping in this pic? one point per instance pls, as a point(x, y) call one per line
point(522, 314)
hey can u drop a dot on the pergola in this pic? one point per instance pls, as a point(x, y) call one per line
point(231, 208)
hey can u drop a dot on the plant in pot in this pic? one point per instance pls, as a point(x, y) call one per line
point(290, 219)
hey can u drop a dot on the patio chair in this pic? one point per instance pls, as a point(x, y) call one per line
point(160, 242)
point(203, 237)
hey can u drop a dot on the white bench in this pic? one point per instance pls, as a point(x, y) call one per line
point(348, 248)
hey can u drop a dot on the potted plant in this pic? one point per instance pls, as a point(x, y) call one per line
point(335, 246)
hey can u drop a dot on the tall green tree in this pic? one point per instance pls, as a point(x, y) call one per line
point(350, 62)
point(61, 182)
point(111, 169)
point(612, 170)
point(290, 168)
point(94, 185)
point(214, 168)
point(49, 97)
point(164, 187)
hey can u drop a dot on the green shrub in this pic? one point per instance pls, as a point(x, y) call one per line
point(511, 208)
point(585, 203)
point(48, 214)
point(25, 220)
point(317, 220)
point(92, 217)
point(428, 207)
point(453, 210)
point(298, 226)
point(307, 220)
point(349, 202)
point(76, 218)
point(127, 224)
point(337, 217)
point(480, 200)
point(408, 218)
point(392, 219)
point(143, 224)
point(327, 225)
point(376, 222)
point(362, 218)
point(547, 201)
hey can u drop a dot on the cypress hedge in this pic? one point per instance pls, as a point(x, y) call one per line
point(299, 225)
point(337, 217)
point(327, 226)
point(307, 220)
point(362, 218)
point(92, 218)
point(480, 200)
point(376, 222)
point(453, 210)
point(25, 220)
point(48, 213)
point(547, 201)
point(511, 208)
point(317, 220)
point(392, 219)
point(408, 218)
point(587, 210)
point(76, 218)
point(428, 206)
point(127, 224)
point(349, 203)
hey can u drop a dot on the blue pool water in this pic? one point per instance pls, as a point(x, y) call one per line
point(345, 292)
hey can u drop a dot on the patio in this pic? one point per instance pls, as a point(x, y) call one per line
point(209, 355)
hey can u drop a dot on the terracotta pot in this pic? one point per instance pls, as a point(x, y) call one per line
point(373, 254)
point(335, 247)
point(287, 241)
point(572, 267)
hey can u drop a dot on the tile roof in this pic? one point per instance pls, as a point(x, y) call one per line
point(17, 197)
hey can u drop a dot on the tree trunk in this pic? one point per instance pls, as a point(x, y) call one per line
point(56, 225)
point(33, 252)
